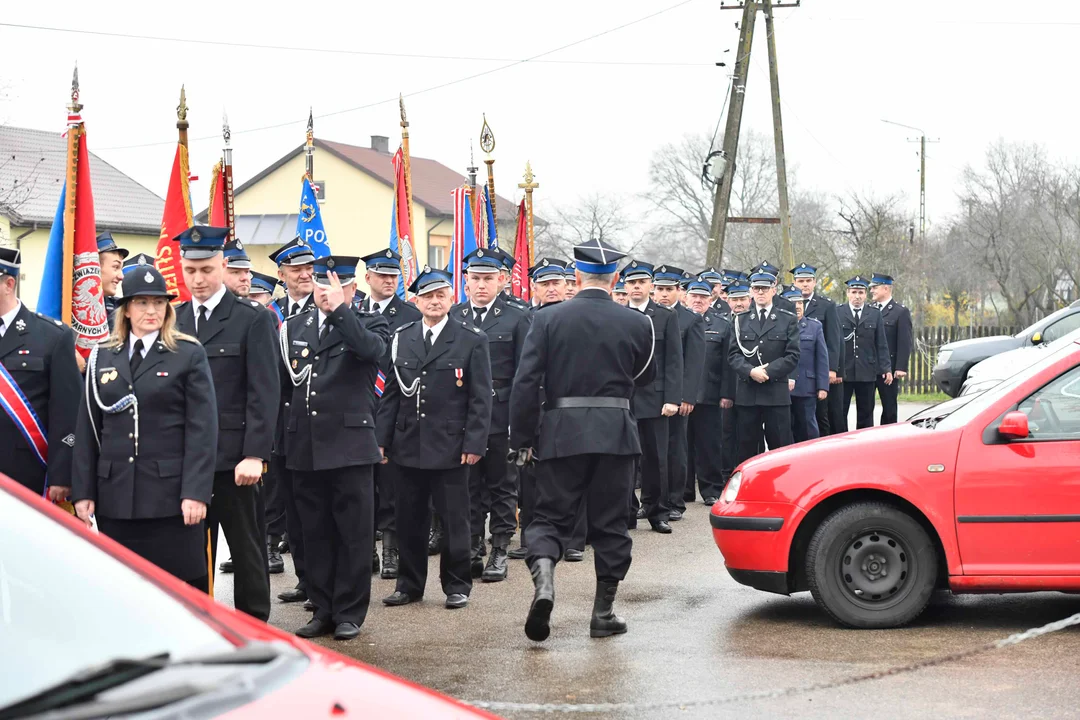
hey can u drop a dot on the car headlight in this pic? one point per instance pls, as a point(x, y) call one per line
point(732, 490)
point(943, 357)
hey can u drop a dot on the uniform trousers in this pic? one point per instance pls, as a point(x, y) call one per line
point(274, 502)
point(240, 512)
point(448, 491)
point(677, 459)
point(804, 425)
point(769, 424)
point(338, 514)
point(864, 402)
point(831, 413)
point(706, 428)
point(888, 395)
point(578, 536)
point(492, 488)
point(386, 480)
point(729, 433)
point(286, 484)
point(603, 482)
point(690, 491)
point(654, 468)
point(176, 548)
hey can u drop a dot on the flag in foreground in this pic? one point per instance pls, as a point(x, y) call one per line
point(309, 225)
point(401, 226)
point(519, 283)
point(175, 220)
point(464, 240)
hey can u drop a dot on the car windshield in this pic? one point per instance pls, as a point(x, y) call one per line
point(66, 606)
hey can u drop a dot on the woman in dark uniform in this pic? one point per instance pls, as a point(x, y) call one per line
point(146, 436)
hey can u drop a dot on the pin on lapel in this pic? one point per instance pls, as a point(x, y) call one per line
point(393, 312)
point(304, 352)
point(311, 319)
point(24, 352)
point(772, 317)
point(20, 324)
point(163, 374)
point(294, 362)
point(497, 311)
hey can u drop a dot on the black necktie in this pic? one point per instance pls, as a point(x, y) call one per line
point(858, 316)
point(1, 327)
point(136, 356)
point(428, 339)
point(478, 315)
point(200, 321)
point(295, 309)
point(323, 328)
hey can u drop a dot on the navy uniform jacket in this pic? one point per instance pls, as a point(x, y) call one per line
point(650, 399)
point(897, 320)
point(110, 311)
point(718, 380)
point(586, 347)
point(813, 371)
point(866, 352)
point(451, 415)
point(286, 391)
point(39, 353)
point(242, 347)
point(692, 330)
point(721, 306)
point(782, 302)
point(506, 326)
point(776, 339)
point(331, 420)
point(178, 433)
point(397, 313)
point(823, 310)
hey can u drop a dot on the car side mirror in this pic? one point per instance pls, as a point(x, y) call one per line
point(1036, 338)
point(1014, 426)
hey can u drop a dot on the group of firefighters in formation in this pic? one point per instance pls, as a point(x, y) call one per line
point(325, 421)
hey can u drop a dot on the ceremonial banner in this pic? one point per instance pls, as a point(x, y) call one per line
point(87, 308)
point(175, 220)
point(489, 220)
point(401, 227)
point(309, 225)
point(519, 283)
point(464, 240)
point(480, 218)
point(217, 216)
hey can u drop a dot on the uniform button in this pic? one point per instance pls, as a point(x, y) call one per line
point(286, 404)
point(131, 411)
point(423, 372)
point(24, 364)
point(130, 388)
point(221, 350)
point(316, 357)
point(131, 459)
point(423, 387)
point(314, 374)
point(423, 415)
point(423, 401)
point(313, 393)
point(131, 436)
point(314, 413)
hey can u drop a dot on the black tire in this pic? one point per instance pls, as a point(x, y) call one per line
point(871, 565)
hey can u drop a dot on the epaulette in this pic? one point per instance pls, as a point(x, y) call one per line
point(408, 324)
point(241, 301)
point(467, 326)
point(785, 311)
point(53, 321)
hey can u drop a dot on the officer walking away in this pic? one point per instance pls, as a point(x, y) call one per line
point(897, 319)
point(146, 436)
point(587, 444)
point(239, 338)
point(830, 411)
point(40, 374)
point(434, 422)
point(332, 358)
point(765, 353)
point(667, 280)
point(655, 403)
point(111, 261)
point(294, 260)
point(866, 352)
point(491, 485)
point(811, 381)
point(382, 275)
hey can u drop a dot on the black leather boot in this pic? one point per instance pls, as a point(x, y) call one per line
point(537, 624)
point(604, 620)
point(389, 556)
point(435, 537)
point(497, 563)
point(477, 562)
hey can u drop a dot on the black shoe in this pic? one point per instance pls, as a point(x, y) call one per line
point(641, 514)
point(293, 595)
point(435, 537)
point(274, 564)
point(604, 620)
point(399, 598)
point(710, 501)
point(226, 566)
point(316, 628)
point(496, 566)
point(537, 624)
point(389, 557)
point(349, 630)
point(661, 527)
point(476, 563)
point(572, 555)
point(456, 601)
point(309, 605)
point(674, 515)
point(518, 553)
point(283, 546)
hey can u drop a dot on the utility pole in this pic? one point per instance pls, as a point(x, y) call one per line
point(922, 173)
point(787, 253)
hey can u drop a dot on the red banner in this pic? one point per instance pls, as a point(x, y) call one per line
point(217, 198)
point(520, 281)
point(406, 248)
point(88, 317)
point(175, 220)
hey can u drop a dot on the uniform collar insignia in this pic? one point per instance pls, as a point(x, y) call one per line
point(772, 317)
point(392, 311)
point(311, 319)
point(497, 311)
point(464, 311)
point(20, 324)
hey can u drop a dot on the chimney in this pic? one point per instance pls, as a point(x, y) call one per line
point(380, 143)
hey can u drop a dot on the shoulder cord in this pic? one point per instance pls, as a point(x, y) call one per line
point(652, 348)
point(413, 389)
point(742, 348)
point(128, 401)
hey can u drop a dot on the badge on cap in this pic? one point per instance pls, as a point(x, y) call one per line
point(427, 268)
point(142, 259)
point(330, 263)
point(300, 242)
point(633, 264)
point(239, 245)
point(148, 277)
point(390, 254)
point(544, 263)
point(458, 372)
point(479, 253)
point(195, 236)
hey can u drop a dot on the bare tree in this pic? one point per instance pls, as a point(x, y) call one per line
point(594, 217)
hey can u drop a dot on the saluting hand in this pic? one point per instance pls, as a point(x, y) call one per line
point(194, 511)
point(248, 471)
point(335, 296)
point(83, 510)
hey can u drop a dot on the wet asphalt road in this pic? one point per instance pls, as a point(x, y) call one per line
point(697, 635)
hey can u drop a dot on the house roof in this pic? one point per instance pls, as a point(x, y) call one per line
point(432, 181)
point(32, 174)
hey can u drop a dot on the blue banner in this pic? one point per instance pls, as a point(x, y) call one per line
point(395, 246)
point(493, 232)
point(309, 226)
point(51, 294)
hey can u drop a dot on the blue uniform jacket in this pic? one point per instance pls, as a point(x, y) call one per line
point(813, 372)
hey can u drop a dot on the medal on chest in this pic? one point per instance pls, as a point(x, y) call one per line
point(458, 373)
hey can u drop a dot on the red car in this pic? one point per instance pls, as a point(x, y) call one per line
point(88, 629)
point(977, 494)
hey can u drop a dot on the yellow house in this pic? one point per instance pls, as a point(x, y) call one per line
point(31, 178)
point(356, 196)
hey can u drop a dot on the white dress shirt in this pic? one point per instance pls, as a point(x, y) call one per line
point(9, 318)
point(210, 304)
point(435, 330)
point(147, 340)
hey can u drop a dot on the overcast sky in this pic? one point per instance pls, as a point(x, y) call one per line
point(966, 72)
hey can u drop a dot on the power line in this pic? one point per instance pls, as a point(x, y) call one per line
point(415, 93)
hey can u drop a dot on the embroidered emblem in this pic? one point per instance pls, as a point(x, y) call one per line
point(497, 311)
point(393, 312)
point(239, 245)
point(195, 236)
point(390, 254)
point(20, 324)
point(148, 277)
point(69, 440)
